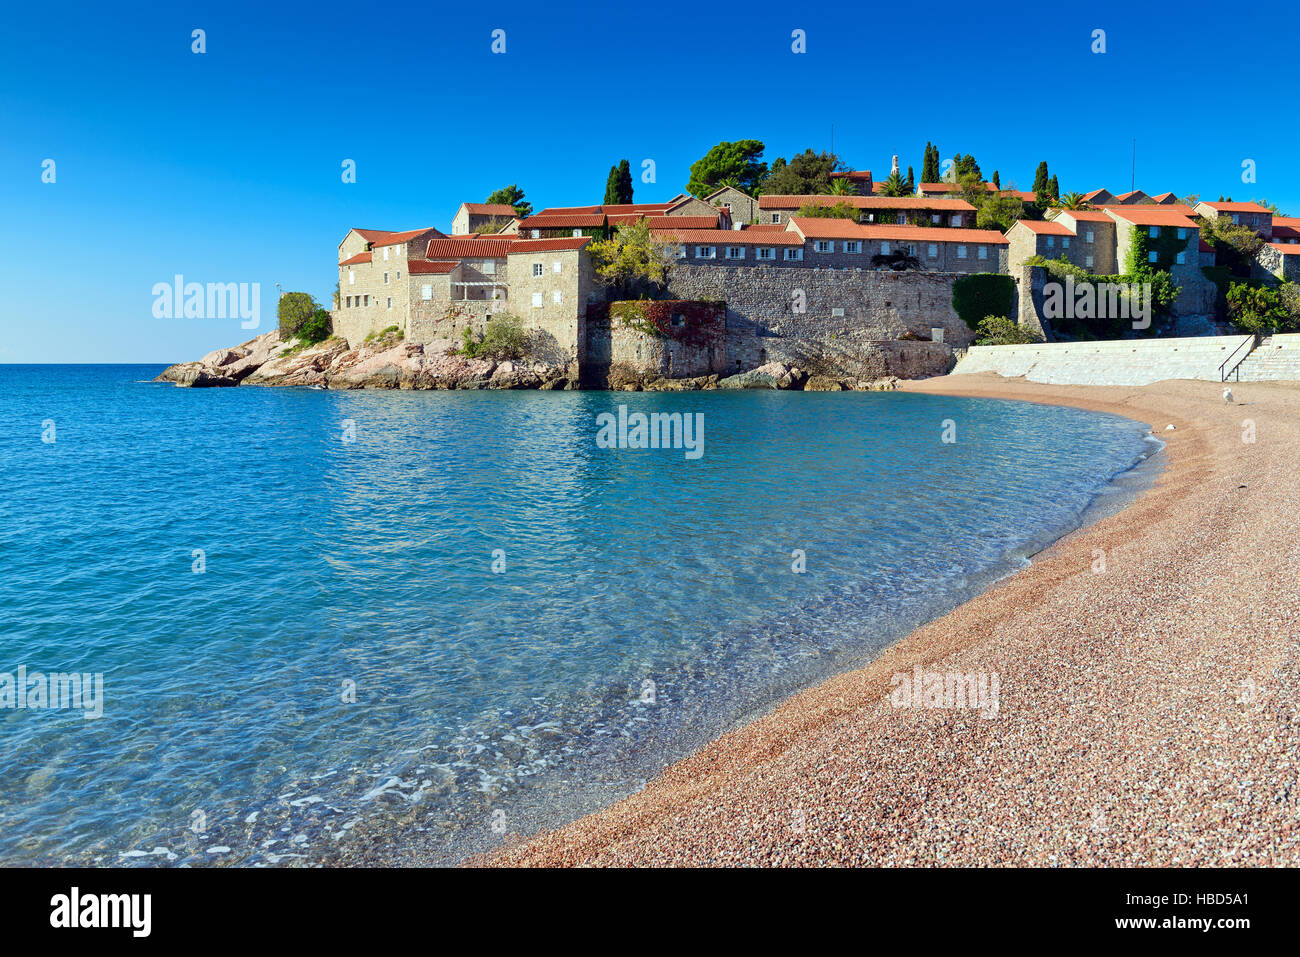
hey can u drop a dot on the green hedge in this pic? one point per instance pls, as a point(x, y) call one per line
point(983, 294)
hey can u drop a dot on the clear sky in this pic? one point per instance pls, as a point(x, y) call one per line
point(226, 166)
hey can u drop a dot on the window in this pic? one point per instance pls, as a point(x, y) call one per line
point(1154, 232)
point(349, 301)
point(1051, 242)
point(1151, 256)
point(1236, 220)
point(385, 279)
point(933, 250)
point(426, 292)
point(1087, 237)
point(1182, 232)
point(538, 269)
point(399, 274)
point(1065, 242)
point(385, 253)
point(735, 252)
point(961, 252)
point(794, 254)
point(390, 302)
point(1087, 261)
point(852, 246)
point(557, 267)
point(706, 252)
point(824, 245)
point(537, 233)
point(776, 217)
point(365, 300)
point(577, 232)
point(681, 252)
point(934, 218)
point(956, 219)
point(765, 252)
point(352, 278)
point(837, 312)
point(489, 267)
point(884, 249)
point(557, 297)
point(984, 252)
point(1182, 258)
point(537, 300)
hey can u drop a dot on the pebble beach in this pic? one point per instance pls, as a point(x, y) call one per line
point(1146, 668)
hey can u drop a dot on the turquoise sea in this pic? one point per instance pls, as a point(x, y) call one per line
point(398, 626)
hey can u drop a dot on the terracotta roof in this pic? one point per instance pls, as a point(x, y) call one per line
point(823, 228)
point(565, 210)
point(762, 227)
point(622, 209)
point(563, 221)
point(1284, 232)
point(1237, 207)
point(1287, 249)
point(1292, 221)
point(685, 222)
point(489, 209)
point(548, 245)
point(1130, 194)
point(854, 175)
point(1164, 197)
point(358, 258)
point(864, 202)
point(392, 239)
point(1087, 215)
point(460, 247)
point(1046, 227)
point(422, 267)
point(1152, 216)
point(1204, 246)
point(731, 237)
point(938, 187)
point(1182, 208)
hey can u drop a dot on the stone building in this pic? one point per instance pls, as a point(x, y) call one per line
point(740, 208)
point(1084, 237)
point(481, 217)
point(885, 210)
point(1257, 217)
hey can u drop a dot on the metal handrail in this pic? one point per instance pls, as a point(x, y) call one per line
point(1252, 340)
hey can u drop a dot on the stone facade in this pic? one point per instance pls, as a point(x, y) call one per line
point(695, 344)
point(741, 207)
point(1252, 215)
point(1278, 260)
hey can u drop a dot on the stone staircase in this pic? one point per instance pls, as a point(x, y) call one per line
point(1113, 362)
point(1276, 359)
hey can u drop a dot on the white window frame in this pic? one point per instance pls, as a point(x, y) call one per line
point(794, 254)
point(537, 300)
point(1087, 237)
point(539, 269)
point(426, 291)
point(1087, 261)
point(557, 267)
point(577, 233)
point(983, 252)
point(557, 296)
point(852, 245)
point(776, 217)
point(738, 250)
point(765, 253)
point(961, 252)
point(932, 251)
point(824, 245)
point(706, 252)
point(956, 220)
point(352, 278)
point(386, 254)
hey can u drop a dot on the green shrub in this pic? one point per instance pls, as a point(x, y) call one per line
point(317, 328)
point(983, 294)
point(1001, 331)
point(504, 338)
point(295, 310)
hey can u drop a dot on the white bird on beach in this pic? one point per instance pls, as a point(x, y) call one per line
point(1227, 395)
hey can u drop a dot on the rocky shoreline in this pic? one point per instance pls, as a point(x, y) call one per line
point(388, 362)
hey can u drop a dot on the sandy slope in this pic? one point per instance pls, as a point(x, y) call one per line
point(1147, 714)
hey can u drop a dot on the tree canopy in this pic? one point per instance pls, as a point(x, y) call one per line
point(633, 261)
point(736, 163)
point(618, 186)
point(511, 195)
point(806, 173)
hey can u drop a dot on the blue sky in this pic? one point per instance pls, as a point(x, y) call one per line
point(226, 166)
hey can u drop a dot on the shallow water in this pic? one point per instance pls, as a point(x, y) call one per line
point(647, 601)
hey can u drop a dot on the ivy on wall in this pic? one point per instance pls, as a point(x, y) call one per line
point(685, 320)
point(983, 294)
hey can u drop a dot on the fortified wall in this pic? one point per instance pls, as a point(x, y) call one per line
point(864, 323)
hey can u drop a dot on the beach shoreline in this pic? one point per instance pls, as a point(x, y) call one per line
point(1146, 715)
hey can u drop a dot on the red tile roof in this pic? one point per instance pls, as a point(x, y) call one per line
point(865, 202)
point(1292, 221)
point(422, 267)
point(358, 258)
point(1087, 215)
point(1164, 197)
point(731, 237)
point(1046, 227)
point(563, 221)
point(854, 175)
point(684, 222)
point(623, 209)
point(461, 247)
point(823, 228)
point(548, 245)
point(1283, 232)
point(938, 187)
point(489, 209)
point(1287, 249)
point(1238, 207)
point(392, 239)
point(1152, 216)
point(763, 227)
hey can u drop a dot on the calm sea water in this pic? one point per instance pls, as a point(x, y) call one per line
point(647, 602)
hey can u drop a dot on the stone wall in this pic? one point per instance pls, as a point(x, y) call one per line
point(1271, 261)
point(831, 321)
point(693, 342)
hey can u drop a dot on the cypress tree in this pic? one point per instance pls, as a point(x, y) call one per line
point(611, 187)
point(1054, 188)
point(624, 182)
point(996, 181)
point(911, 183)
point(1041, 184)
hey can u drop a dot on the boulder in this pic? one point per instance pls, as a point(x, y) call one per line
point(823, 383)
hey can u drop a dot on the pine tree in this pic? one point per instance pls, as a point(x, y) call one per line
point(1041, 184)
point(624, 182)
point(611, 187)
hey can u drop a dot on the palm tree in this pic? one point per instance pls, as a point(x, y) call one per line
point(894, 185)
point(840, 186)
point(1071, 201)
